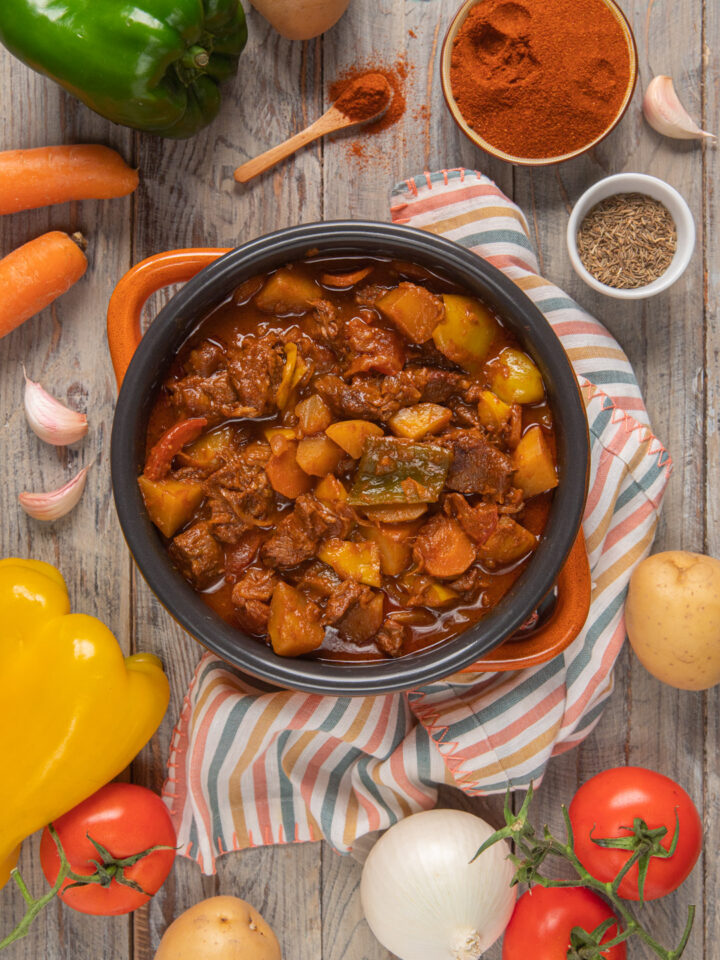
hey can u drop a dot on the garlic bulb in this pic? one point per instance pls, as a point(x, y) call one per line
point(423, 897)
point(51, 420)
point(55, 503)
point(664, 112)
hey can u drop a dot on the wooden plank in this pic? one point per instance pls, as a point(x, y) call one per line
point(358, 185)
point(64, 348)
point(705, 102)
point(360, 170)
point(189, 198)
point(664, 339)
point(193, 180)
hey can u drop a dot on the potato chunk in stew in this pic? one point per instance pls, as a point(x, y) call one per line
point(535, 470)
point(417, 421)
point(289, 291)
point(170, 503)
point(466, 333)
point(508, 543)
point(294, 626)
point(515, 378)
point(353, 561)
point(352, 434)
point(414, 311)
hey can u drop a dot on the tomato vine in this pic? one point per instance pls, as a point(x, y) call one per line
point(532, 850)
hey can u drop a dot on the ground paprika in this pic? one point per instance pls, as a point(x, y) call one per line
point(538, 79)
point(364, 97)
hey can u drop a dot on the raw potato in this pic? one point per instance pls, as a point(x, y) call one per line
point(672, 616)
point(221, 928)
point(301, 19)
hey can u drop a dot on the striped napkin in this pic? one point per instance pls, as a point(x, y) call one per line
point(249, 767)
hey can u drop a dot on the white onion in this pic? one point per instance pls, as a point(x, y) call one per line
point(425, 900)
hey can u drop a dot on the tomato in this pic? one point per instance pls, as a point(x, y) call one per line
point(125, 819)
point(543, 919)
point(607, 805)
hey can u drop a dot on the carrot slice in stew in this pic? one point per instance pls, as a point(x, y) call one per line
point(442, 548)
point(339, 281)
point(171, 443)
point(284, 472)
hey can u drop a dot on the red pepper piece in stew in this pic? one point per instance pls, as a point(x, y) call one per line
point(161, 456)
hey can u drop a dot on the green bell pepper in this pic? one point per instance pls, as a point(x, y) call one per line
point(393, 470)
point(154, 65)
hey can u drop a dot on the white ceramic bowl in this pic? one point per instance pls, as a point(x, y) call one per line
point(651, 187)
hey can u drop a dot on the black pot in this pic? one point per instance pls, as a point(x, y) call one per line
point(213, 285)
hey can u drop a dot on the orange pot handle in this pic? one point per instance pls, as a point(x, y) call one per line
point(567, 620)
point(138, 284)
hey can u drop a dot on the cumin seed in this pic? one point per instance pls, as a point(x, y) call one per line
point(627, 241)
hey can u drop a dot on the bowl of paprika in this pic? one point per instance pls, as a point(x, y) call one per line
point(536, 82)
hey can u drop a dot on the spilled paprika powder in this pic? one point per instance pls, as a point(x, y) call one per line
point(540, 79)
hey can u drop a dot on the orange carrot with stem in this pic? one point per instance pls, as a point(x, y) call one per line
point(47, 175)
point(35, 274)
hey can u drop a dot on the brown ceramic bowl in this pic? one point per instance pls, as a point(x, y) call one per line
point(445, 59)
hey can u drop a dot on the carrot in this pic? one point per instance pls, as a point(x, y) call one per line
point(35, 274)
point(47, 175)
point(283, 470)
point(442, 548)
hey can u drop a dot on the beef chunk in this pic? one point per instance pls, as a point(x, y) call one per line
point(464, 415)
point(205, 359)
point(478, 466)
point(513, 429)
point(378, 398)
point(198, 555)
point(298, 534)
point(391, 638)
point(244, 550)
point(256, 369)
point(469, 583)
point(244, 486)
point(211, 397)
point(323, 323)
point(368, 398)
point(479, 522)
point(381, 350)
point(319, 580)
point(438, 386)
point(318, 357)
point(357, 610)
point(369, 295)
point(251, 598)
point(226, 526)
point(427, 355)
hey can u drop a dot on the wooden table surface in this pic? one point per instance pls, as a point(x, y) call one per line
point(187, 197)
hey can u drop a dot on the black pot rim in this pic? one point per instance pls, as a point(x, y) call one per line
point(181, 316)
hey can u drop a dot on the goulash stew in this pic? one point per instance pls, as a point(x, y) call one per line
point(350, 459)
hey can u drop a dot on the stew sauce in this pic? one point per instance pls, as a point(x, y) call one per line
point(350, 459)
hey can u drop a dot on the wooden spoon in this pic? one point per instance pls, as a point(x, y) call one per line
point(332, 120)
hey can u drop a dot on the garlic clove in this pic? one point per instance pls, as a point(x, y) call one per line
point(56, 503)
point(664, 112)
point(51, 420)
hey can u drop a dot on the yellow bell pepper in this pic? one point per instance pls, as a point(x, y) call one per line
point(73, 711)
